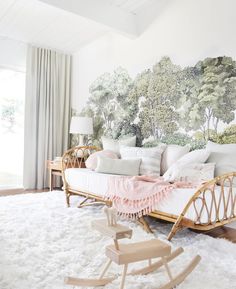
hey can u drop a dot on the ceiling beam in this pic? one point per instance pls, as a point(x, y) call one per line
point(149, 12)
point(100, 11)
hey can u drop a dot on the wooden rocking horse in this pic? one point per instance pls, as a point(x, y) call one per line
point(124, 254)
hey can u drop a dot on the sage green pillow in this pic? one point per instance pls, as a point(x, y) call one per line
point(128, 167)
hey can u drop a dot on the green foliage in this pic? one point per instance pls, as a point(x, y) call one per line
point(198, 135)
point(177, 138)
point(158, 115)
point(172, 104)
point(108, 100)
point(138, 94)
point(158, 120)
point(216, 100)
point(227, 136)
point(125, 128)
point(183, 139)
point(8, 112)
point(150, 144)
point(230, 130)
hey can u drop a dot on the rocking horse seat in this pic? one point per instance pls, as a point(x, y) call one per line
point(116, 231)
point(129, 253)
point(124, 254)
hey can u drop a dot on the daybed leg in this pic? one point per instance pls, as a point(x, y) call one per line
point(145, 225)
point(84, 201)
point(108, 204)
point(176, 227)
point(67, 198)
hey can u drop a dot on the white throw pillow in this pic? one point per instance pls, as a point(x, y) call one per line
point(91, 162)
point(224, 155)
point(151, 158)
point(223, 148)
point(118, 167)
point(171, 154)
point(114, 144)
point(225, 162)
point(197, 156)
point(195, 172)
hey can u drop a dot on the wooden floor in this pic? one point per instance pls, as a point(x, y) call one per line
point(226, 232)
point(19, 191)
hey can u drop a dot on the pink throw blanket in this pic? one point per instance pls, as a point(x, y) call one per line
point(137, 196)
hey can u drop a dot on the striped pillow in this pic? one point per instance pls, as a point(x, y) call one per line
point(151, 158)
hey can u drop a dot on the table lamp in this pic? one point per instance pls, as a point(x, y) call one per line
point(81, 126)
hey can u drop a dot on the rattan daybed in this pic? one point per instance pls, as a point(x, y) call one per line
point(211, 206)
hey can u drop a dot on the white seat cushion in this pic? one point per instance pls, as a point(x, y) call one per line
point(96, 183)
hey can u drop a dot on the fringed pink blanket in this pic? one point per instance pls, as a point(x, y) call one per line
point(137, 196)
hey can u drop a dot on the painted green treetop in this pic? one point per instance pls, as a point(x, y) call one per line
point(167, 103)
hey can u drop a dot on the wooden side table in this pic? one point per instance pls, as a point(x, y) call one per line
point(55, 169)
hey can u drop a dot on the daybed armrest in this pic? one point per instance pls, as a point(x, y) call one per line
point(214, 205)
point(214, 202)
point(76, 156)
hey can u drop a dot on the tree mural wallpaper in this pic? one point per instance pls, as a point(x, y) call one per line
point(167, 103)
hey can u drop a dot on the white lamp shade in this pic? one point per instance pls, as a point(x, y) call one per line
point(81, 125)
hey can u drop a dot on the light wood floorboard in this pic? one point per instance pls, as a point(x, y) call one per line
point(225, 232)
point(20, 191)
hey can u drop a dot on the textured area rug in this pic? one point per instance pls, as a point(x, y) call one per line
point(42, 241)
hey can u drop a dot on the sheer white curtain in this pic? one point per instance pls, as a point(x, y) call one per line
point(47, 112)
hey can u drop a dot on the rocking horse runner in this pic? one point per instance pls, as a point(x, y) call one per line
point(124, 254)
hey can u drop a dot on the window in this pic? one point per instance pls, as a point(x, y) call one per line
point(12, 95)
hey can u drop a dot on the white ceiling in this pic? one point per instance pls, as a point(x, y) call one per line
point(32, 21)
point(68, 25)
point(131, 6)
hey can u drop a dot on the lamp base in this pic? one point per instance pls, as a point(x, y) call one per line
point(81, 140)
point(81, 143)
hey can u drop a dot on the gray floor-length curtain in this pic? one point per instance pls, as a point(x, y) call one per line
point(47, 112)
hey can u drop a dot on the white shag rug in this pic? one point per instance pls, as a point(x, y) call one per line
point(42, 241)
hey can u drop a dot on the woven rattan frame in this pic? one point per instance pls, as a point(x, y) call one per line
point(75, 158)
point(220, 210)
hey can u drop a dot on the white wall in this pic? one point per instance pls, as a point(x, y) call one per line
point(187, 31)
point(12, 54)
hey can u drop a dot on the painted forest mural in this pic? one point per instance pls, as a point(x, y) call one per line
point(167, 103)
